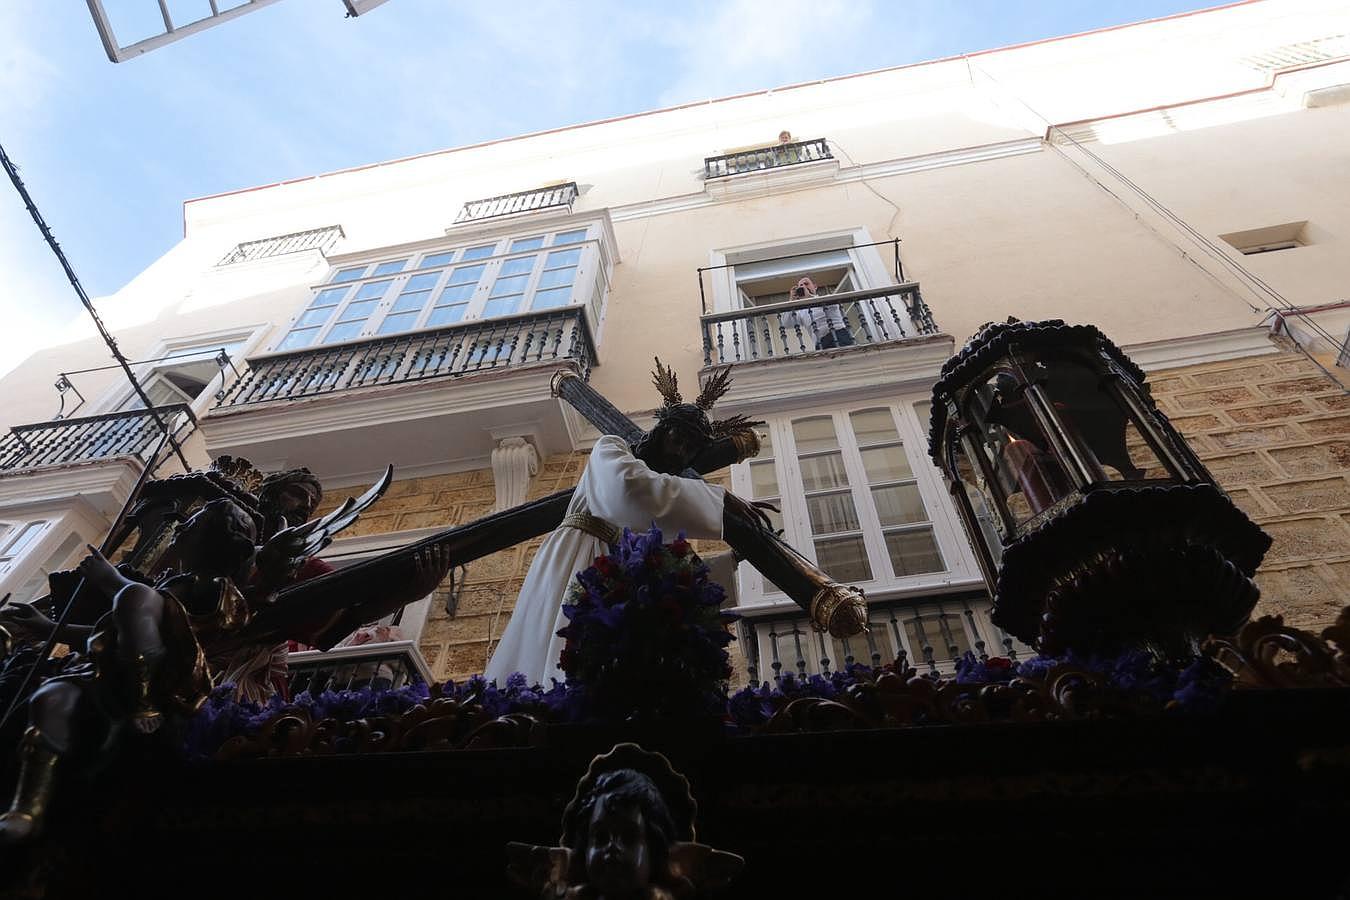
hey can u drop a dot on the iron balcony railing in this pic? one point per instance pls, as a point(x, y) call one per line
point(797, 327)
point(130, 433)
point(315, 239)
point(560, 195)
point(382, 666)
point(461, 349)
point(929, 635)
point(774, 157)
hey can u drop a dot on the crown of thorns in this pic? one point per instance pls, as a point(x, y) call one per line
point(695, 415)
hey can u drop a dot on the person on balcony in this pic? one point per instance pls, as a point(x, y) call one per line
point(826, 324)
point(622, 487)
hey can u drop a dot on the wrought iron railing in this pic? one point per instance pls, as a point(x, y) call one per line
point(129, 433)
point(796, 327)
point(314, 239)
point(387, 665)
point(773, 157)
point(457, 350)
point(560, 195)
point(929, 636)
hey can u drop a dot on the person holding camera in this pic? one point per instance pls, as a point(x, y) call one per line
point(825, 323)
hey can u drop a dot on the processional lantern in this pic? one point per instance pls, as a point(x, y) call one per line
point(1096, 526)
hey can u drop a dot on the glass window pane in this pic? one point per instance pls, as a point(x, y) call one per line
point(556, 277)
point(899, 504)
point(569, 237)
point(445, 315)
point(913, 552)
point(437, 259)
point(314, 317)
point(765, 442)
point(374, 289)
point(513, 285)
point(389, 268)
point(519, 265)
point(328, 297)
point(482, 252)
point(563, 258)
point(763, 480)
point(349, 274)
point(503, 307)
point(457, 292)
point(844, 559)
point(874, 426)
point(816, 433)
point(300, 337)
point(400, 322)
point(832, 513)
point(552, 299)
point(529, 243)
point(413, 300)
point(344, 331)
point(823, 472)
point(358, 309)
point(424, 282)
point(886, 464)
point(466, 274)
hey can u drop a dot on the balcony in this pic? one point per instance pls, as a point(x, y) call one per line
point(759, 160)
point(321, 239)
point(929, 636)
point(381, 666)
point(67, 441)
point(556, 197)
point(796, 328)
point(346, 409)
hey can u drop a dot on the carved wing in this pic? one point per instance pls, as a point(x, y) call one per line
point(324, 610)
point(302, 541)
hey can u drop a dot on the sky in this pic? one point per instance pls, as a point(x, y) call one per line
point(110, 152)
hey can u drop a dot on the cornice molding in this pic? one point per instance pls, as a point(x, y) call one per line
point(1193, 350)
point(103, 485)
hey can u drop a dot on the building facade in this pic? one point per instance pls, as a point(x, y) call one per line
point(1179, 183)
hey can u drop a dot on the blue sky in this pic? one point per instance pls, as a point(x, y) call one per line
point(111, 151)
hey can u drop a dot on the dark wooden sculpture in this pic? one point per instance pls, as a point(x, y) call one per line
point(628, 834)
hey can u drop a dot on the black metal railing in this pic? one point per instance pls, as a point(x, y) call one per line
point(796, 327)
point(314, 239)
point(457, 350)
point(130, 433)
point(560, 195)
point(382, 666)
point(773, 157)
point(929, 636)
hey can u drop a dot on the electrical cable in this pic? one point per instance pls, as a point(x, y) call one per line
point(13, 172)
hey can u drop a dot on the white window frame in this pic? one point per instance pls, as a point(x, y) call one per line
point(961, 570)
point(868, 268)
point(247, 338)
point(592, 274)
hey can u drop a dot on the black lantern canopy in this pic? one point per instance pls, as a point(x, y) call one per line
point(1097, 527)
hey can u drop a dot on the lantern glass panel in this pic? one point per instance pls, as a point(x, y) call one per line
point(1094, 419)
point(1028, 474)
point(982, 504)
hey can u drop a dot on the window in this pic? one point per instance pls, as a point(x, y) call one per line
point(859, 496)
point(184, 376)
point(513, 275)
point(16, 539)
point(1269, 239)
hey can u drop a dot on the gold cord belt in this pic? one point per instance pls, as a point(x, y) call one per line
point(594, 526)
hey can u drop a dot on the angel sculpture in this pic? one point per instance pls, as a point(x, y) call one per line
point(628, 834)
point(161, 647)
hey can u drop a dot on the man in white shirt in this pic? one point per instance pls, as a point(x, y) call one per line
point(825, 324)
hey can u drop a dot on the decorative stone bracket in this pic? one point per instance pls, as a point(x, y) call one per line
point(514, 462)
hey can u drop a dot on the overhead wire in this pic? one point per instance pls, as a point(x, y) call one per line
point(1249, 280)
point(13, 172)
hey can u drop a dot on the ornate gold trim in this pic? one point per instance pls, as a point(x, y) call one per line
point(839, 609)
point(556, 381)
point(595, 526)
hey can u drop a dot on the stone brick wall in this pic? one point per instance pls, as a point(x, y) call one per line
point(1275, 432)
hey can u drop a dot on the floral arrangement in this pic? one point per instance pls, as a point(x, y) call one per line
point(645, 632)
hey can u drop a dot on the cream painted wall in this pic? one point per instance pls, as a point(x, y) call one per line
point(1024, 234)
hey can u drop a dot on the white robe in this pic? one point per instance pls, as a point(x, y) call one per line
point(619, 488)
